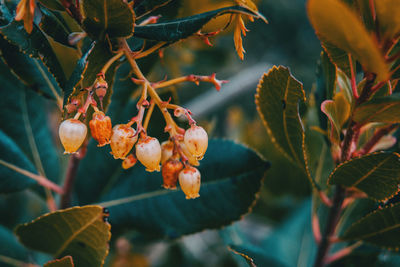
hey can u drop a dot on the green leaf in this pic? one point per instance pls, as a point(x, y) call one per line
point(380, 228)
point(338, 57)
point(278, 96)
point(24, 119)
point(112, 18)
point(146, 6)
point(380, 109)
point(174, 30)
point(377, 174)
point(229, 187)
point(54, 25)
point(336, 23)
point(387, 14)
point(79, 232)
point(30, 71)
point(63, 262)
point(34, 45)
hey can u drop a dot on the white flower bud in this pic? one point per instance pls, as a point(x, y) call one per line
point(72, 133)
point(196, 141)
point(167, 150)
point(148, 152)
point(189, 180)
point(122, 140)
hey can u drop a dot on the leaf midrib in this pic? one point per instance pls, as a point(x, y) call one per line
point(74, 235)
point(370, 172)
point(161, 192)
point(296, 158)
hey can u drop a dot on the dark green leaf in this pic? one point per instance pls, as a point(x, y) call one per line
point(182, 28)
point(377, 174)
point(380, 109)
point(146, 6)
point(336, 23)
point(77, 74)
point(54, 25)
point(24, 119)
point(112, 18)
point(229, 187)
point(35, 45)
point(326, 85)
point(11, 181)
point(52, 4)
point(381, 228)
point(292, 243)
point(63, 262)
point(30, 70)
point(79, 232)
point(10, 248)
point(253, 256)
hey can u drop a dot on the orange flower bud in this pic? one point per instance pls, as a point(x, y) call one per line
point(129, 162)
point(189, 180)
point(100, 127)
point(122, 140)
point(72, 133)
point(170, 171)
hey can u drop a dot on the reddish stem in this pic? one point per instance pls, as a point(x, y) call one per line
point(376, 138)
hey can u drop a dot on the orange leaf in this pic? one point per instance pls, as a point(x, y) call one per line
point(25, 12)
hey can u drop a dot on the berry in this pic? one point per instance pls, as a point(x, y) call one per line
point(196, 141)
point(129, 162)
point(72, 133)
point(100, 127)
point(167, 150)
point(170, 171)
point(189, 180)
point(122, 140)
point(148, 152)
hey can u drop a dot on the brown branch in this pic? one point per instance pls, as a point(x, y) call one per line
point(376, 138)
point(69, 181)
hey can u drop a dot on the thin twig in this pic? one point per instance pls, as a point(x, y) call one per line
point(69, 181)
point(43, 181)
point(376, 138)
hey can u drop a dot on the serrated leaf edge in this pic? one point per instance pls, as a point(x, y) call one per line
point(356, 158)
point(366, 216)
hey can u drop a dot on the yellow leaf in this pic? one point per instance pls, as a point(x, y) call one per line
point(25, 12)
point(247, 3)
point(336, 23)
point(388, 15)
point(237, 34)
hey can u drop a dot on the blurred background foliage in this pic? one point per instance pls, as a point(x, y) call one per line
point(282, 213)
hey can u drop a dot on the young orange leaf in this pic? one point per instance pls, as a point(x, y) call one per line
point(25, 12)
